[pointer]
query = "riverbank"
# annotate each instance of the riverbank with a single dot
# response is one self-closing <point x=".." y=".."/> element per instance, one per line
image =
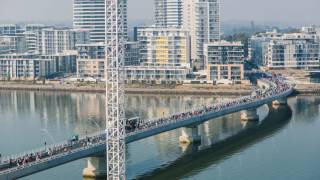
<point x="194" y="89"/>
<point x="307" y="89"/>
<point x="190" y="89"/>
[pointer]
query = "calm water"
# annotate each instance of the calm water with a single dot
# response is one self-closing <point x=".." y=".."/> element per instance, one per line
<point x="284" y="145"/>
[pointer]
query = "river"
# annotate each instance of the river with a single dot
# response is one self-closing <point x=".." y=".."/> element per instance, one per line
<point x="283" y="145"/>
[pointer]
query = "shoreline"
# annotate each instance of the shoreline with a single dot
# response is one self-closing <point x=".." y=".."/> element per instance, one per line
<point x="157" y="90"/>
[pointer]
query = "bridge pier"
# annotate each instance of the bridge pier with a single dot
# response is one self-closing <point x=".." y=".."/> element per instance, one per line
<point x="96" y="168"/>
<point x="249" y="115"/>
<point x="190" y="135"/>
<point x="278" y="102"/>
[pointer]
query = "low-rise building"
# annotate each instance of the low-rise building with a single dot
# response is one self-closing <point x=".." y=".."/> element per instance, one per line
<point x="296" y="50"/>
<point x="145" y="73"/>
<point x="156" y="74"/>
<point x="32" y="66"/>
<point x="258" y="47"/>
<point x="224" y="60"/>
<point x="93" y="68"/>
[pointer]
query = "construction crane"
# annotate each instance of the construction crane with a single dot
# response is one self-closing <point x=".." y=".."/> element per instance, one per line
<point x="114" y="76"/>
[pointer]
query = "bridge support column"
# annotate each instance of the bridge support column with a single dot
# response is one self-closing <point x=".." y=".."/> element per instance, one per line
<point x="282" y="101"/>
<point x="190" y="135"/>
<point x="96" y="168"/>
<point x="249" y="115"/>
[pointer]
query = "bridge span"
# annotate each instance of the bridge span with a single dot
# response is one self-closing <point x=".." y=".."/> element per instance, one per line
<point x="272" y="90"/>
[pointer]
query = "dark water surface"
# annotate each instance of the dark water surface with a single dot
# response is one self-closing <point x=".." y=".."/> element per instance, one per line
<point x="284" y="145"/>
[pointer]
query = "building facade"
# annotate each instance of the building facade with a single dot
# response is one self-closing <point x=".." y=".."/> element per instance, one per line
<point x="168" y="13"/>
<point x="32" y="66"/>
<point x="164" y="46"/>
<point x="297" y="50"/>
<point x="90" y="60"/>
<point x="156" y="74"/>
<point x="224" y="61"/>
<point x="189" y="24"/>
<point x="12" y="44"/>
<point x="11" y="30"/>
<point x="54" y="41"/>
<point x="146" y="73"/>
<point x="207" y="27"/>
<point x="90" y="14"/>
<point x="258" y="47"/>
<point x="82" y="36"/>
<point x="131" y="54"/>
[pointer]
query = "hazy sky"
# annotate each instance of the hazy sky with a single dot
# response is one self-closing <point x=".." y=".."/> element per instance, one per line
<point x="295" y="11"/>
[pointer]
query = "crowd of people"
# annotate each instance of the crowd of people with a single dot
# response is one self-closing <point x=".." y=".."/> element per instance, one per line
<point x="276" y="84"/>
<point x="50" y="152"/>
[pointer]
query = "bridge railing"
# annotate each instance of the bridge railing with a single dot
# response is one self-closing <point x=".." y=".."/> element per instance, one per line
<point x="6" y="159"/>
<point x="50" y="158"/>
<point x="274" y="96"/>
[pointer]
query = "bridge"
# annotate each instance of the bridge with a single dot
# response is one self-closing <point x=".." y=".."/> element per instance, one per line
<point x="271" y="90"/>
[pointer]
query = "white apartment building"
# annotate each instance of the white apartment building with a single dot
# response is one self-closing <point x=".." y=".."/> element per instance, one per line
<point x="168" y="13"/>
<point x="31" y="66"/>
<point x="207" y="27"/>
<point x="224" y="60"/>
<point x="144" y="73"/>
<point x="12" y="44"/>
<point x="55" y="41"/>
<point x="156" y="74"/>
<point x="32" y="36"/>
<point x="32" y="42"/>
<point x="165" y="46"/>
<point x="259" y="46"/>
<point x="11" y="30"/>
<point x="189" y="24"/>
<point x="296" y="50"/>
<point x="90" y="14"/>
<point x="96" y="51"/>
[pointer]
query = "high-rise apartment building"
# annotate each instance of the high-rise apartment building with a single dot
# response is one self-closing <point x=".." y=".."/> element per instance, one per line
<point x="207" y="27"/>
<point x="168" y="13"/>
<point x="90" y="14"/>
<point x="189" y="24"/>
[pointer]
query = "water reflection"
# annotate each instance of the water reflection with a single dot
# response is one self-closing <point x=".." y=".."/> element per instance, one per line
<point x="32" y="117"/>
<point x="198" y="159"/>
<point x="306" y="107"/>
